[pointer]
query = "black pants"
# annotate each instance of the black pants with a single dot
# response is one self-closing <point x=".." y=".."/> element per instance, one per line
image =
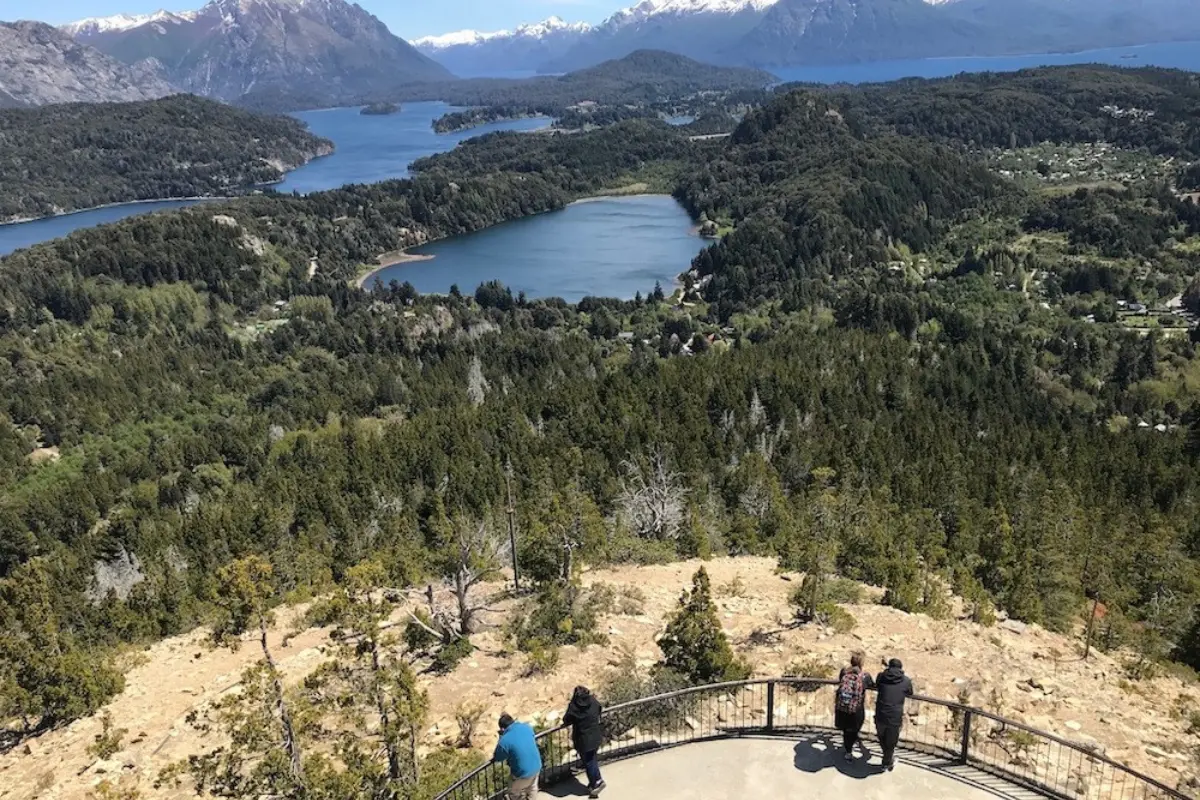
<point x="850" y="724"/>
<point x="850" y="738"/>
<point x="889" y="737"/>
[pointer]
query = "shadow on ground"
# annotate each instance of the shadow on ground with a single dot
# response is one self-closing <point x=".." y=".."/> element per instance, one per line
<point x="567" y="787"/>
<point x="821" y="752"/>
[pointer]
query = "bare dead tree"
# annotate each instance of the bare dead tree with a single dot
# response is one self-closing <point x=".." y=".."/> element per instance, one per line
<point x="653" y="498"/>
<point x="479" y="552"/>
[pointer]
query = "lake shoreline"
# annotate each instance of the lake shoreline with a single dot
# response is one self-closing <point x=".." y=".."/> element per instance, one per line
<point x="387" y="260"/>
<point x="123" y="204"/>
<point x="367" y="280"/>
<point x="242" y="192"/>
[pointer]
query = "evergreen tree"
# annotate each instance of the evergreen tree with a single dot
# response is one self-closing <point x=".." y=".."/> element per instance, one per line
<point x="45" y="678"/>
<point x="694" y="644"/>
<point x="245" y="590"/>
<point x="368" y="678"/>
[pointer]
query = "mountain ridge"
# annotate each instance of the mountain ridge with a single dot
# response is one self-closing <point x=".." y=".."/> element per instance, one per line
<point x="40" y="64"/>
<point x="525" y="47"/>
<point x="769" y="33"/>
<point x="230" y="47"/>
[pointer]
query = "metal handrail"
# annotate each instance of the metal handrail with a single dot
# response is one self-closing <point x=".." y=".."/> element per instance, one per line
<point x="769" y="727"/>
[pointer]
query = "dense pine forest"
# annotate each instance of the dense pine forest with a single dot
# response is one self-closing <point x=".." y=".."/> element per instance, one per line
<point x="68" y="157"/>
<point x="897" y="365"/>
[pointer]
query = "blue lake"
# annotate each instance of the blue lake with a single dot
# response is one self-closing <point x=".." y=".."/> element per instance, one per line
<point x="375" y="148"/>
<point x="607" y="247"/>
<point x="1177" y="55"/>
<point x="369" y="149"/>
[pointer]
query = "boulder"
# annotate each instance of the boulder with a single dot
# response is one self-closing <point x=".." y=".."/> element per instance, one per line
<point x="1013" y="625"/>
<point x="1156" y="752"/>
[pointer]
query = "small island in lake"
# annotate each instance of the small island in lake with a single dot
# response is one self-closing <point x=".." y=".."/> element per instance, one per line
<point x="380" y="109"/>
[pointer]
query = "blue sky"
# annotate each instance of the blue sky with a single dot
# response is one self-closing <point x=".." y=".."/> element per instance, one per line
<point x="407" y="18"/>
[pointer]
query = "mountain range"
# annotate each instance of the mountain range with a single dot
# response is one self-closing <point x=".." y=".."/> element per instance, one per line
<point x="527" y="48"/>
<point x="231" y="47"/>
<point x="264" y="52"/>
<point x="40" y="64"/>
<point x="798" y="32"/>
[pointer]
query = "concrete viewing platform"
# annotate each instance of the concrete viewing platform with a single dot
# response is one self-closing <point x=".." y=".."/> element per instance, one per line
<point x="811" y="767"/>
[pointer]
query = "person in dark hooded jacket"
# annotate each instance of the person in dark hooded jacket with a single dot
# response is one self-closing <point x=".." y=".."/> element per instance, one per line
<point x="893" y="688"/>
<point x="583" y="715"/>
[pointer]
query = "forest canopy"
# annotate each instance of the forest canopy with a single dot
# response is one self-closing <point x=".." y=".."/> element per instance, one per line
<point x="897" y="365"/>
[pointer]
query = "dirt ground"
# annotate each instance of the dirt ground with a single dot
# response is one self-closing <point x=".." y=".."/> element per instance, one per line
<point x="1030" y="674"/>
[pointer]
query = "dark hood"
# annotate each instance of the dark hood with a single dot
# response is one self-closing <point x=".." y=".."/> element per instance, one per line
<point x="582" y="703"/>
<point x="892" y="675"/>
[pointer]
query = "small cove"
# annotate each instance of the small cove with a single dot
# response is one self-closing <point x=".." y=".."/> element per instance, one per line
<point x="602" y="247"/>
<point x="369" y="149"/>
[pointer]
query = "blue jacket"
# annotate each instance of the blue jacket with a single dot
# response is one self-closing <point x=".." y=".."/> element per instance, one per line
<point x="518" y="747"/>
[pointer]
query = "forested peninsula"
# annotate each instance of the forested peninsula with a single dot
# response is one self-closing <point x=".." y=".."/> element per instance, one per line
<point x="61" y="158"/>
<point x="644" y="76"/>
<point x="946" y="342"/>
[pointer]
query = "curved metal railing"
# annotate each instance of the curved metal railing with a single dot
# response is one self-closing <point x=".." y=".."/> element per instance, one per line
<point x="951" y="733"/>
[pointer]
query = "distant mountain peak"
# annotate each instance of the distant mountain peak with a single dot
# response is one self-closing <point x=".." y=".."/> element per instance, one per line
<point x="535" y="30"/>
<point x="92" y="26"/>
<point x="302" y="52"/>
<point x="648" y="9"/>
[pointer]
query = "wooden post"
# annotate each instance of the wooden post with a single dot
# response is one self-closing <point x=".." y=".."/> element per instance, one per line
<point x="512" y="526"/>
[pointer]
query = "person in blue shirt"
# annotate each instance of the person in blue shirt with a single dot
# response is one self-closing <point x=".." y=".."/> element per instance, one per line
<point x="518" y="748"/>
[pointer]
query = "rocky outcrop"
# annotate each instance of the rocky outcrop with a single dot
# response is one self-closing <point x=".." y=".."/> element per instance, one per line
<point x="40" y="64"/>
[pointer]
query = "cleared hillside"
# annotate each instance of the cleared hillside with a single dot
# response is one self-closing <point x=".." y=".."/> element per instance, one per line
<point x="1034" y="676"/>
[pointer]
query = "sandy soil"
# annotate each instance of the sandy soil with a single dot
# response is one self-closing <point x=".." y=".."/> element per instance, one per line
<point x="390" y="260"/>
<point x="1088" y="702"/>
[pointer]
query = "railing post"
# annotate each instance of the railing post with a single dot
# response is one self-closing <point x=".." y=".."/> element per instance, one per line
<point x="770" y="706"/>
<point x="966" y="735"/>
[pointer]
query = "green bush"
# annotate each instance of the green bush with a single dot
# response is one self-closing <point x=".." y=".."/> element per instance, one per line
<point x="835" y="617"/>
<point x="449" y="656"/>
<point x="441" y="768"/>
<point x="979" y="604"/>
<point x="604" y="598"/>
<point x="108" y="742"/>
<point x="842" y="591"/>
<point x="736" y="587"/>
<point x="808" y="667"/>
<point x="542" y="658"/>
<point x="559" y="615"/>
<point x="627" y="682"/>
<point x="417" y="637"/>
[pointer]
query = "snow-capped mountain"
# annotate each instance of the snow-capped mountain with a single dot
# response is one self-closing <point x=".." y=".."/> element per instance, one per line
<point x="553" y="26"/>
<point x="648" y="9"/>
<point x="831" y="31"/>
<point x="525" y="48"/>
<point x="285" y="53"/>
<point x="94" y="26"/>
<point x="695" y="28"/>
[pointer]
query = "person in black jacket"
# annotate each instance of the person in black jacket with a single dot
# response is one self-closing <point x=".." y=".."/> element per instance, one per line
<point x="893" y="687"/>
<point x="583" y="715"/>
